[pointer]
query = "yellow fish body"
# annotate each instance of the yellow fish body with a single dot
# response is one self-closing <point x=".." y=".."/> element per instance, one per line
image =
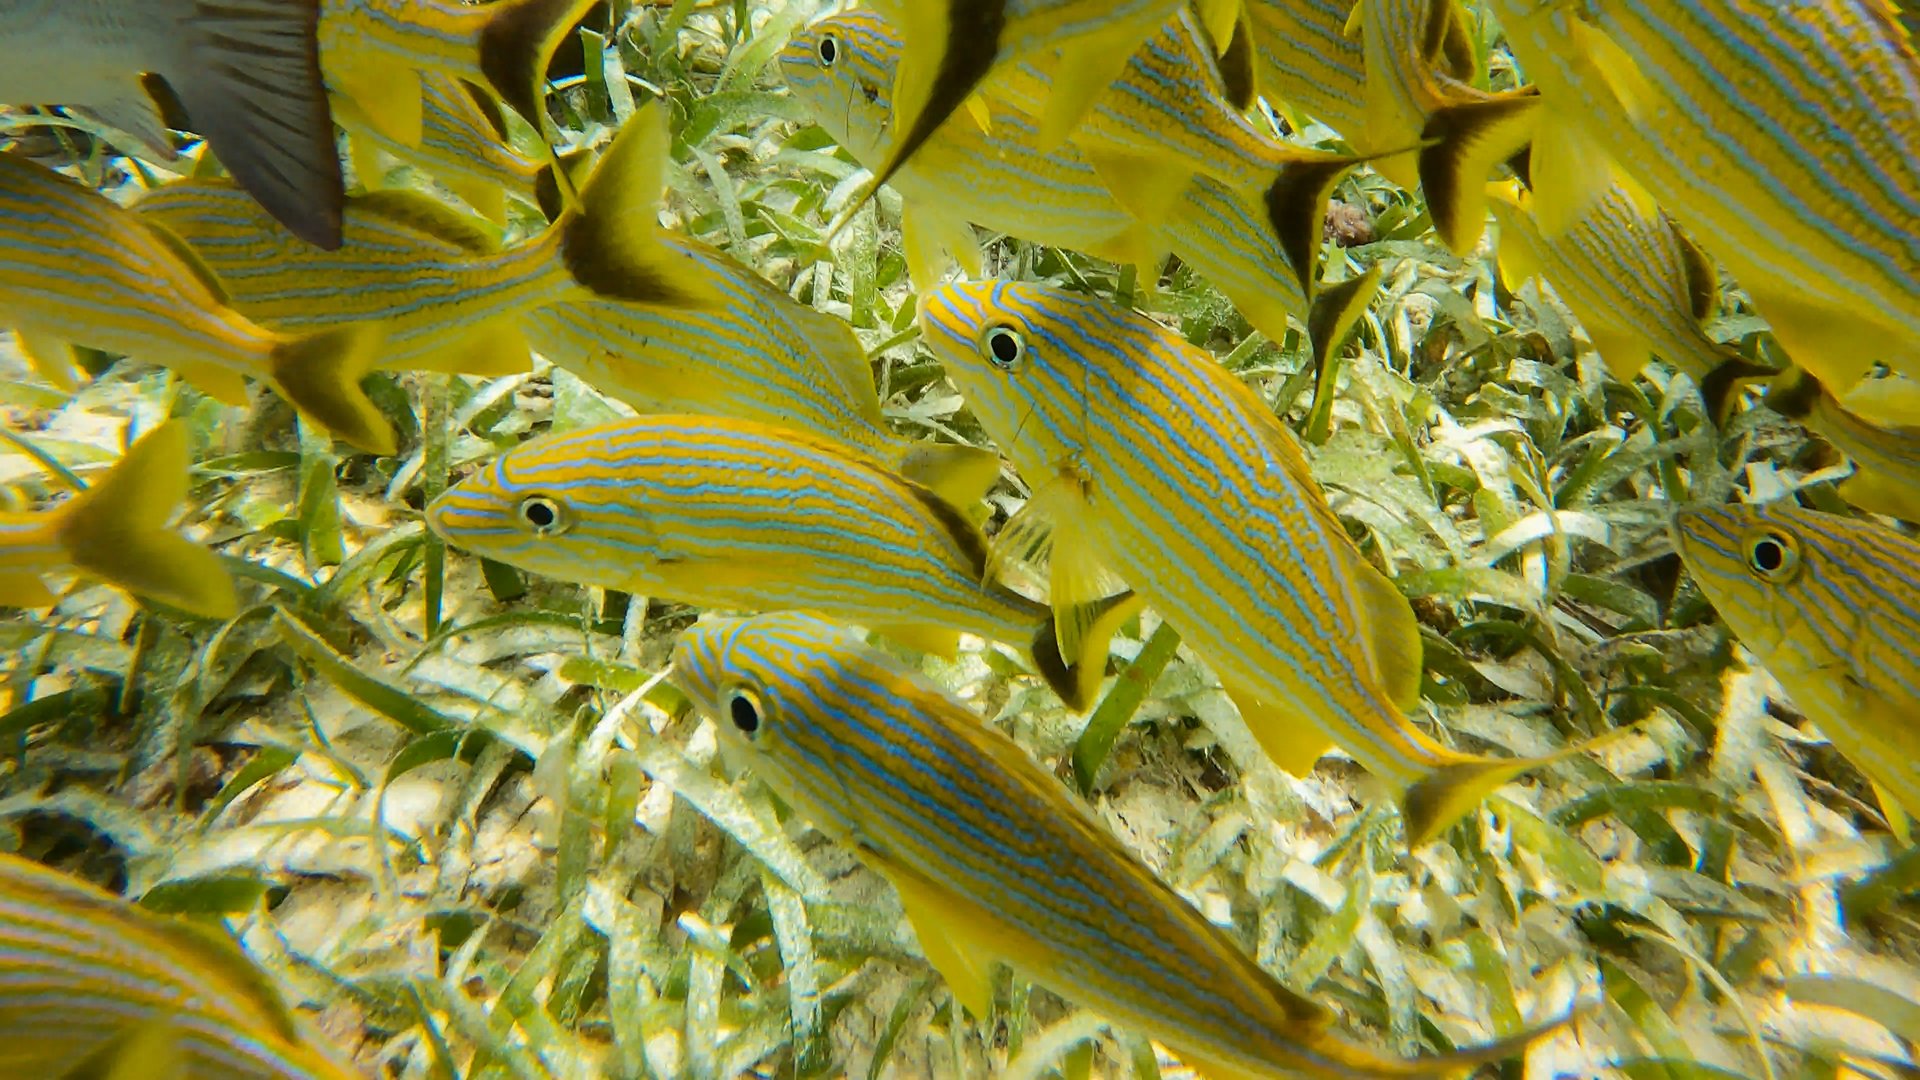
<point x="1885" y="453"/>
<point x="1829" y="605"/>
<point x="376" y="53"/>
<point x="757" y="355"/>
<point x="116" y="531"/>
<point x="995" y="862"/>
<point x="78" y="269"/>
<point x="1166" y="119"/>
<point x="732" y="514"/>
<point x="98" y="986"/>
<point x="1305" y="59"/>
<point x="462" y="145"/>
<point x="951" y="46"/>
<point x="1638" y="287"/>
<point x="1215" y="521"/>
<point x="840" y="69"/>
<point x="444" y="294"/>
<point x="1782" y="138"/>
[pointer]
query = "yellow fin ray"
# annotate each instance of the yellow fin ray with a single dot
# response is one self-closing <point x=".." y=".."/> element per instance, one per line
<point x="116" y="530"/>
<point x="1289" y="741"/>
<point x="320" y="374"/>
<point x="961" y="475"/>
<point x="386" y="96"/>
<point x="1087" y="66"/>
<point x="51" y="357"/>
<point x="959" y="944"/>
<point x="1147" y="188"/>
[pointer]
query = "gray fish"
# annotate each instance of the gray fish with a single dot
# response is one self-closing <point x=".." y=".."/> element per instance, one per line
<point x="247" y="73"/>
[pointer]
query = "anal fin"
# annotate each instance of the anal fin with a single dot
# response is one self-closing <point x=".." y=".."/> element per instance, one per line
<point x="1290" y="742"/>
<point x="955" y="941"/>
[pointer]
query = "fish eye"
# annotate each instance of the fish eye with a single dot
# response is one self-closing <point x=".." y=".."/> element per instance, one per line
<point x="1003" y="346"/>
<point x="743" y="710"/>
<point x="542" y="515"/>
<point x="829" y="49"/>
<point x="1773" y="556"/>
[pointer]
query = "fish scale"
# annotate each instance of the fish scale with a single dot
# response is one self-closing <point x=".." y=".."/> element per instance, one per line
<point x="738" y="515"/>
<point x="994" y="860"/>
<point x="1783" y="144"/>
<point x="1216" y="522"/>
<point x="1837" y="623"/>
<point x="81" y="968"/>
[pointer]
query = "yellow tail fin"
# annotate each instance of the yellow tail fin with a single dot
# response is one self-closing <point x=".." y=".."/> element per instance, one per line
<point x="116" y="530"/>
<point x="1449" y="792"/>
<point x="611" y="243"/>
<point x="320" y="374"/>
<point x="1464" y="143"/>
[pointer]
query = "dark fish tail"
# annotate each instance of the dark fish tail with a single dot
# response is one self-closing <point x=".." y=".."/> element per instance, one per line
<point x="251" y="84"/>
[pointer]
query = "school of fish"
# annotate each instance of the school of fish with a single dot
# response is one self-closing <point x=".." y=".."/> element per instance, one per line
<point x="1628" y="154"/>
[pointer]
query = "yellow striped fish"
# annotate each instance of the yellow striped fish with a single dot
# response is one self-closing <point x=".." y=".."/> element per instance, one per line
<point x="840" y="69"/>
<point x="1885" y="453"/>
<point x="78" y="269"/>
<point x="96" y="986"/>
<point x="462" y="144"/>
<point x="1215" y="521"/>
<point x="995" y="862"/>
<point x="1166" y="119"/>
<point x="757" y="355"/>
<point x="1830" y="607"/>
<point x="1305" y="60"/>
<point x="116" y="531"/>
<point x="733" y="514"/>
<point x="375" y="53"/>
<point x="443" y="292"/>
<point x="1638" y="287"/>
<point x="1419" y="70"/>
<point x="951" y="46"/>
<point x="1784" y="144"/>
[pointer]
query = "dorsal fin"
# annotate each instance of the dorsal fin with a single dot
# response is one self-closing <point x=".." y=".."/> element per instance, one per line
<point x="1702" y="278"/>
<point x="189" y="258"/>
<point x="428" y="215"/>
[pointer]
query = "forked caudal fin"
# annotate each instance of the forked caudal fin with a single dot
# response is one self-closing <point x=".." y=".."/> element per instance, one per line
<point x="117" y="531"/>
<point x="1452" y="790"/>
<point x="1463" y="145"/>
<point x="320" y="374"/>
<point x="611" y="243"/>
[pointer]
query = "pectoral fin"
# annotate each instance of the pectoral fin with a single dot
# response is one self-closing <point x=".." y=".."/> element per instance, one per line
<point x="149" y="1050"/>
<point x="51" y="357"/>
<point x="933" y="640"/>
<point x="1087" y="66"/>
<point x="929" y="238"/>
<point x="1147" y="188"/>
<point x="386" y="95"/>
<point x="959" y="944"/>
<point x="961" y="475"/>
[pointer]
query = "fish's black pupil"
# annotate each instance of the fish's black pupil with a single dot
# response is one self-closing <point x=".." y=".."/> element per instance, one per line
<point x="745" y="716"/>
<point x="829" y="50"/>
<point x="1768" y="556"/>
<point x="1004" y="346"/>
<point x="540" y="514"/>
